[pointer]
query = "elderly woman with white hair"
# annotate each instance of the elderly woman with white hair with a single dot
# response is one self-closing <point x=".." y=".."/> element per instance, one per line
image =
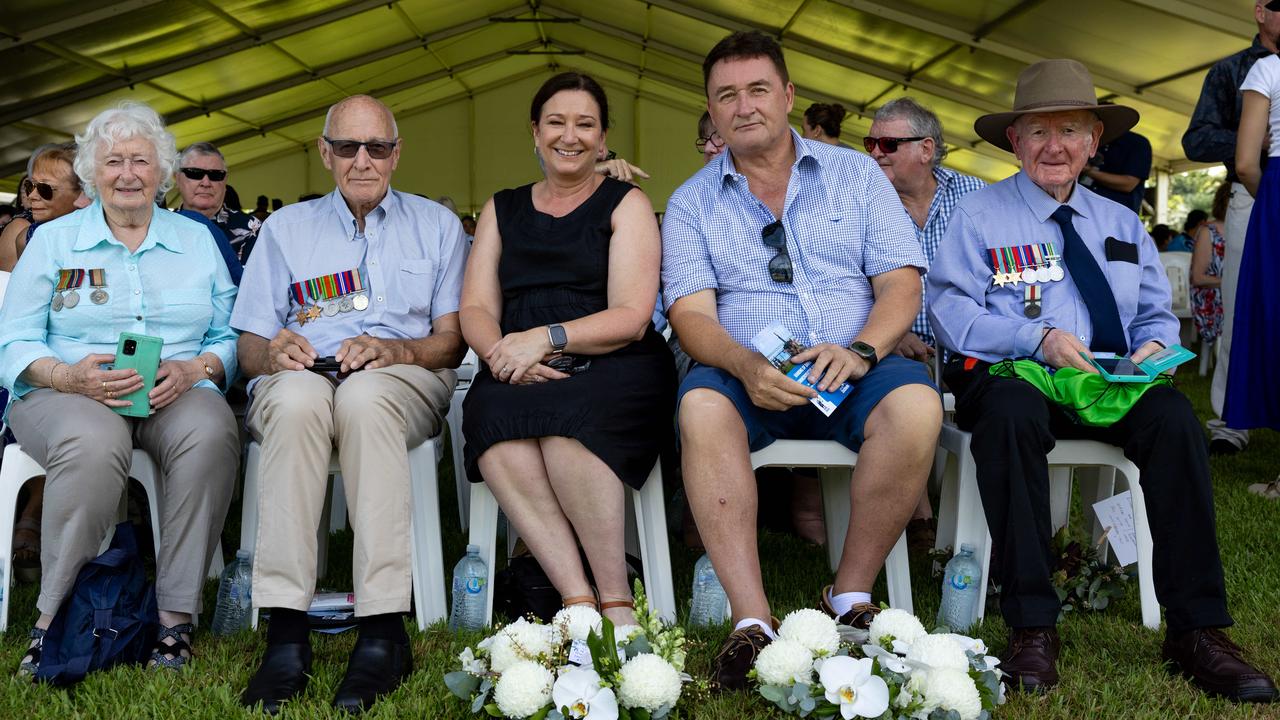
<point x="119" y="266"/>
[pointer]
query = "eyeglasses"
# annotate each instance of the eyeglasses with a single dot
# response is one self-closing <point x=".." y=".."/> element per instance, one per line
<point x="44" y="189"/>
<point x="888" y="145"/>
<point x="775" y="236"/>
<point x="716" y="141"/>
<point x="378" y="149"/>
<point x="195" y="173"/>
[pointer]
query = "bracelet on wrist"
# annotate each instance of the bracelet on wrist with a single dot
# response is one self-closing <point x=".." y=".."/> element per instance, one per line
<point x="53" y="370"/>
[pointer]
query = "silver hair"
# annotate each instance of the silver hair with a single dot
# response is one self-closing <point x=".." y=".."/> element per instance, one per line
<point x="207" y="149"/>
<point x="328" y="117"/>
<point x="125" y="121"/>
<point x="920" y="119"/>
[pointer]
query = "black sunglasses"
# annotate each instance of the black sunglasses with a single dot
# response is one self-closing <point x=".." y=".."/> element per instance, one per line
<point x="194" y="173"/>
<point x="888" y="145"/>
<point x="715" y="140"/>
<point x="44" y="189"/>
<point x="378" y="149"/>
<point x="775" y="236"/>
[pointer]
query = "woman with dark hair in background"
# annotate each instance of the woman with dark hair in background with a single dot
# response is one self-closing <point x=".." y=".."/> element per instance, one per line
<point x="1206" y="268"/>
<point x="576" y="392"/>
<point x="822" y="122"/>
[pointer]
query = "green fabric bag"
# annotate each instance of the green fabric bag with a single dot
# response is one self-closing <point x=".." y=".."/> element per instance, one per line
<point x="1086" y="396"/>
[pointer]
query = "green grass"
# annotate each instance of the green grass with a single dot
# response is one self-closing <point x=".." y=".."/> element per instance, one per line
<point x="1110" y="663"/>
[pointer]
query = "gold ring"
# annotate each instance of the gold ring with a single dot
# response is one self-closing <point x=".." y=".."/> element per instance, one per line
<point x="110" y="395"/>
<point x="104" y="384"/>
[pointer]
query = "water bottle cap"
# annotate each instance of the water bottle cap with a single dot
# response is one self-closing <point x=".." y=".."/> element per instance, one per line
<point x="243" y="554"/>
<point x="473" y="549"/>
<point x="967" y="548"/>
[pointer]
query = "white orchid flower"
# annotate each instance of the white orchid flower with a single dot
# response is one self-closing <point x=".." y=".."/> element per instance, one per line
<point x="888" y="660"/>
<point x="850" y="684"/>
<point x="578" y="689"/>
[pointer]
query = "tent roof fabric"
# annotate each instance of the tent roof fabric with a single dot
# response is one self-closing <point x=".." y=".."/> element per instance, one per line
<point x="256" y="76"/>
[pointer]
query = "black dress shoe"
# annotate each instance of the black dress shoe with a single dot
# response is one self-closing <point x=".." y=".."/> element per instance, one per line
<point x="1209" y="659"/>
<point x="376" y="667"/>
<point x="1031" y="659"/>
<point x="282" y="677"/>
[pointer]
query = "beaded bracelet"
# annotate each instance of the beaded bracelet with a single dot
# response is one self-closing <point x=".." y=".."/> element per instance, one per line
<point x="52" y="374"/>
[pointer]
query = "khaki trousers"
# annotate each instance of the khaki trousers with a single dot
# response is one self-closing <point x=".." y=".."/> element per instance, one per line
<point x="1237" y="223"/>
<point x="85" y="450"/>
<point x="372" y="418"/>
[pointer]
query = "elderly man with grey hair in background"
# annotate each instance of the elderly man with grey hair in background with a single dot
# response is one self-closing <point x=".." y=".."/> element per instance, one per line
<point x="906" y="142"/>
<point x="202" y="180"/>
<point x="371" y="277"/>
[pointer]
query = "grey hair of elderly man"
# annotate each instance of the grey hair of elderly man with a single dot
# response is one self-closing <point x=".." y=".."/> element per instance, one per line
<point x="922" y="121"/>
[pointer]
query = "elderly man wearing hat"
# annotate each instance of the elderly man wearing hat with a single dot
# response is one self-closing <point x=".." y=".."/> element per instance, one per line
<point x="1040" y="267"/>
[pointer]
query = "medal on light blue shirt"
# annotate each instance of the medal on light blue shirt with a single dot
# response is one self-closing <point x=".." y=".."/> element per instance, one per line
<point x="1042" y="266"/>
<point x="1026" y="268"/>
<point x="1000" y="274"/>
<point x="98" y="281"/>
<point x="68" y="281"/>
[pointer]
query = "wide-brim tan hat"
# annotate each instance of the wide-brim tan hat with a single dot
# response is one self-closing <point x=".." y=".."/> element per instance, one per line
<point x="1055" y="86"/>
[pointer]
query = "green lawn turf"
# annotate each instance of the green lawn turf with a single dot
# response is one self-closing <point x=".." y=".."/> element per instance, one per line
<point x="1109" y="663"/>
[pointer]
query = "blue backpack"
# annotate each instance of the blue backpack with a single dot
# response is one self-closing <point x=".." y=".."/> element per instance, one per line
<point x="108" y="619"/>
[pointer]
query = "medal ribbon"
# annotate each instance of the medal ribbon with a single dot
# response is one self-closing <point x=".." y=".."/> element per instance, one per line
<point x="295" y="291"/>
<point x="1035" y="252"/>
<point x="98" y="278"/>
<point x="328" y="287"/>
<point x="68" y="279"/>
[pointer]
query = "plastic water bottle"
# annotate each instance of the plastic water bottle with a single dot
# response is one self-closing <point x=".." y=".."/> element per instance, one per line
<point x="470" y="591"/>
<point x="961" y="591"/>
<point x="710" y="604"/>
<point x="235" y="597"/>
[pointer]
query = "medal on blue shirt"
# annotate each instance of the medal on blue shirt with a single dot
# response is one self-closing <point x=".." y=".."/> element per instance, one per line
<point x="1042" y="266"/>
<point x="1031" y="301"/>
<point x="999" y="266"/>
<point x="1056" y="273"/>
<point x="1026" y="268"/>
<point x="68" y="281"/>
<point x="98" y="281"/>
<point x="305" y="312"/>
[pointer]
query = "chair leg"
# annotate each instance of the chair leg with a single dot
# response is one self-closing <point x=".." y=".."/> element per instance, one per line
<point x="651" y="526"/>
<point x="455" y="446"/>
<point x="427" y="557"/>
<point x="1146" y="578"/>
<point x="1059" y="496"/>
<point x="897" y="572"/>
<point x="971" y="520"/>
<point x="484" y="534"/>
<point x="15" y="471"/>
<point x="948" y="501"/>
<point x="836" y="508"/>
<point x="249" y="511"/>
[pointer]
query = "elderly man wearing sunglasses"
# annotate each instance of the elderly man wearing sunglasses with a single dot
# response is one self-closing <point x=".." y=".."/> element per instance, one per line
<point x="202" y="181"/>
<point x="370" y="276"/>
<point x="783" y="229"/>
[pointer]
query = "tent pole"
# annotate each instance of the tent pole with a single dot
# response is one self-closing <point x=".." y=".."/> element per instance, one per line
<point x="1162" y="195"/>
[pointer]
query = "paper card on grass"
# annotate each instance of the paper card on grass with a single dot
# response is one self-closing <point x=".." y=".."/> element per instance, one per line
<point x="1116" y="516"/>
<point x="776" y="343"/>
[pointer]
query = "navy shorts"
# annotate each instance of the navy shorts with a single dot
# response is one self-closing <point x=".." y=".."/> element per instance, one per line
<point x="807" y="422"/>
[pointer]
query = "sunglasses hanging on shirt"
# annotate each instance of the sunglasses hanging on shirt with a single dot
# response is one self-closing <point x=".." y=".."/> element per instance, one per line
<point x="775" y="236"/>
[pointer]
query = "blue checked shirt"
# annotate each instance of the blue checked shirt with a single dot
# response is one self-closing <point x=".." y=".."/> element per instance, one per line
<point x="844" y="225"/>
<point x="175" y="287"/>
<point x="977" y="318"/>
<point x="951" y="187"/>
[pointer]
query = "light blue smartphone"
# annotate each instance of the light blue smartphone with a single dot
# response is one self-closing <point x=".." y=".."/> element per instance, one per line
<point x="141" y="353"/>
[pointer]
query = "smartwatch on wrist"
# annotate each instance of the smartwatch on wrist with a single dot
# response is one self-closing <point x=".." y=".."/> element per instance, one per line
<point x="866" y="352"/>
<point x="558" y="337"/>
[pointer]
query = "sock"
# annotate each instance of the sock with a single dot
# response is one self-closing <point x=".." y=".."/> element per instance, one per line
<point x="748" y="622"/>
<point x="387" y="626"/>
<point x="288" y="626"/>
<point x="844" y="602"/>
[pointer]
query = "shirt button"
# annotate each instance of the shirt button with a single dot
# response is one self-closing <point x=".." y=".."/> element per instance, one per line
<point x="373" y="262"/>
<point x="379" y="298"/>
<point x="137" y="317"/>
<point x="133" y="267"/>
<point x="137" y="292"/>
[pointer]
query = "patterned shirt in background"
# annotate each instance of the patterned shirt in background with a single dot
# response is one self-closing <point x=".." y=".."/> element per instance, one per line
<point x="951" y="187"/>
<point x="241" y="229"/>
<point x="1211" y="137"/>
<point x="844" y="225"/>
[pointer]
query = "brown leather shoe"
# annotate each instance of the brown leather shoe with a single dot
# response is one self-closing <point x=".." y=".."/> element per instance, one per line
<point x="1209" y="659"/>
<point x="737" y="656"/>
<point x="859" y="616"/>
<point x="1031" y="659"/>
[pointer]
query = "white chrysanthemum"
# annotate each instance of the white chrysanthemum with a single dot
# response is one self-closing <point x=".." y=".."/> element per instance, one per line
<point x="938" y="651"/>
<point x="649" y="682"/>
<point x="783" y="662"/>
<point x="518" y="641"/>
<point x="953" y="690"/>
<point x="898" y="624"/>
<point x="915" y="689"/>
<point x="622" y="634"/>
<point x="813" y="629"/>
<point x="524" y="689"/>
<point x="577" y="621"/>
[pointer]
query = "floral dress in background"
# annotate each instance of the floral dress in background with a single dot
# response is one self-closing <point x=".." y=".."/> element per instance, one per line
<point x="1206" y="302"/>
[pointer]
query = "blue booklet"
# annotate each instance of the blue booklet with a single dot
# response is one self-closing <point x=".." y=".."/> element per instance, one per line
<point x="776" y="343"/>
<point x="1118" y="369"/>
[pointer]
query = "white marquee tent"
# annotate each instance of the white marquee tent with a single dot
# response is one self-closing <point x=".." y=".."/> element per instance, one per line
<point x="256" y="76"/>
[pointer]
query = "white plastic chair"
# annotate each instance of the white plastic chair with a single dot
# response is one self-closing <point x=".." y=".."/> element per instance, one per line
<point x="1177" y="266"/>
<point x="18" y="467"/>
<point x="466" y="372"/>
<point x="835" y="463"/>
<point x="427" y="560"/>
<point x="649" y="526"/>
<point x="961" y="518"/>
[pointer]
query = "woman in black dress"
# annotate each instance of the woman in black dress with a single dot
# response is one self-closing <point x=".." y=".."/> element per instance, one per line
<point x="576" y="391"/>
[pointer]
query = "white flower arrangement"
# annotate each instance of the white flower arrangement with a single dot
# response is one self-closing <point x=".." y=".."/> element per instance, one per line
<point x="580" y="667"/>
<point x="903" y="673"/>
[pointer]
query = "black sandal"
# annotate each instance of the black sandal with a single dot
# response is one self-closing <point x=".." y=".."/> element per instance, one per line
<point x="31" y="660"/>
<point x="173" y="656"/>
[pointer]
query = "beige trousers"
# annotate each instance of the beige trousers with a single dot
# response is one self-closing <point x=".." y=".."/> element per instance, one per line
<point x="372" y="418"/>
<point x="85" y="449"/>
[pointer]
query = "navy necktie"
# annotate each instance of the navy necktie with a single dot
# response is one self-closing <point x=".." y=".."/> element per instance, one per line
<point x="1108" y="335"/>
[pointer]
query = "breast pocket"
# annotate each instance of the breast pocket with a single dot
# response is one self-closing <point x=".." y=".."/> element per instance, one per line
<point x="188" y="312"/>
<point x="417" y="281"/>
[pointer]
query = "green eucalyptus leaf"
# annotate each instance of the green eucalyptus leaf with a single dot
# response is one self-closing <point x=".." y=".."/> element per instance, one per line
<point x="461" y="684"/>
<point x="492" y="709"/>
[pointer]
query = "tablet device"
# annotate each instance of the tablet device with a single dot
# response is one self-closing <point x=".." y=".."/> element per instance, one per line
<point x="141" y="353"/>
<point x="1117" y="369"/>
